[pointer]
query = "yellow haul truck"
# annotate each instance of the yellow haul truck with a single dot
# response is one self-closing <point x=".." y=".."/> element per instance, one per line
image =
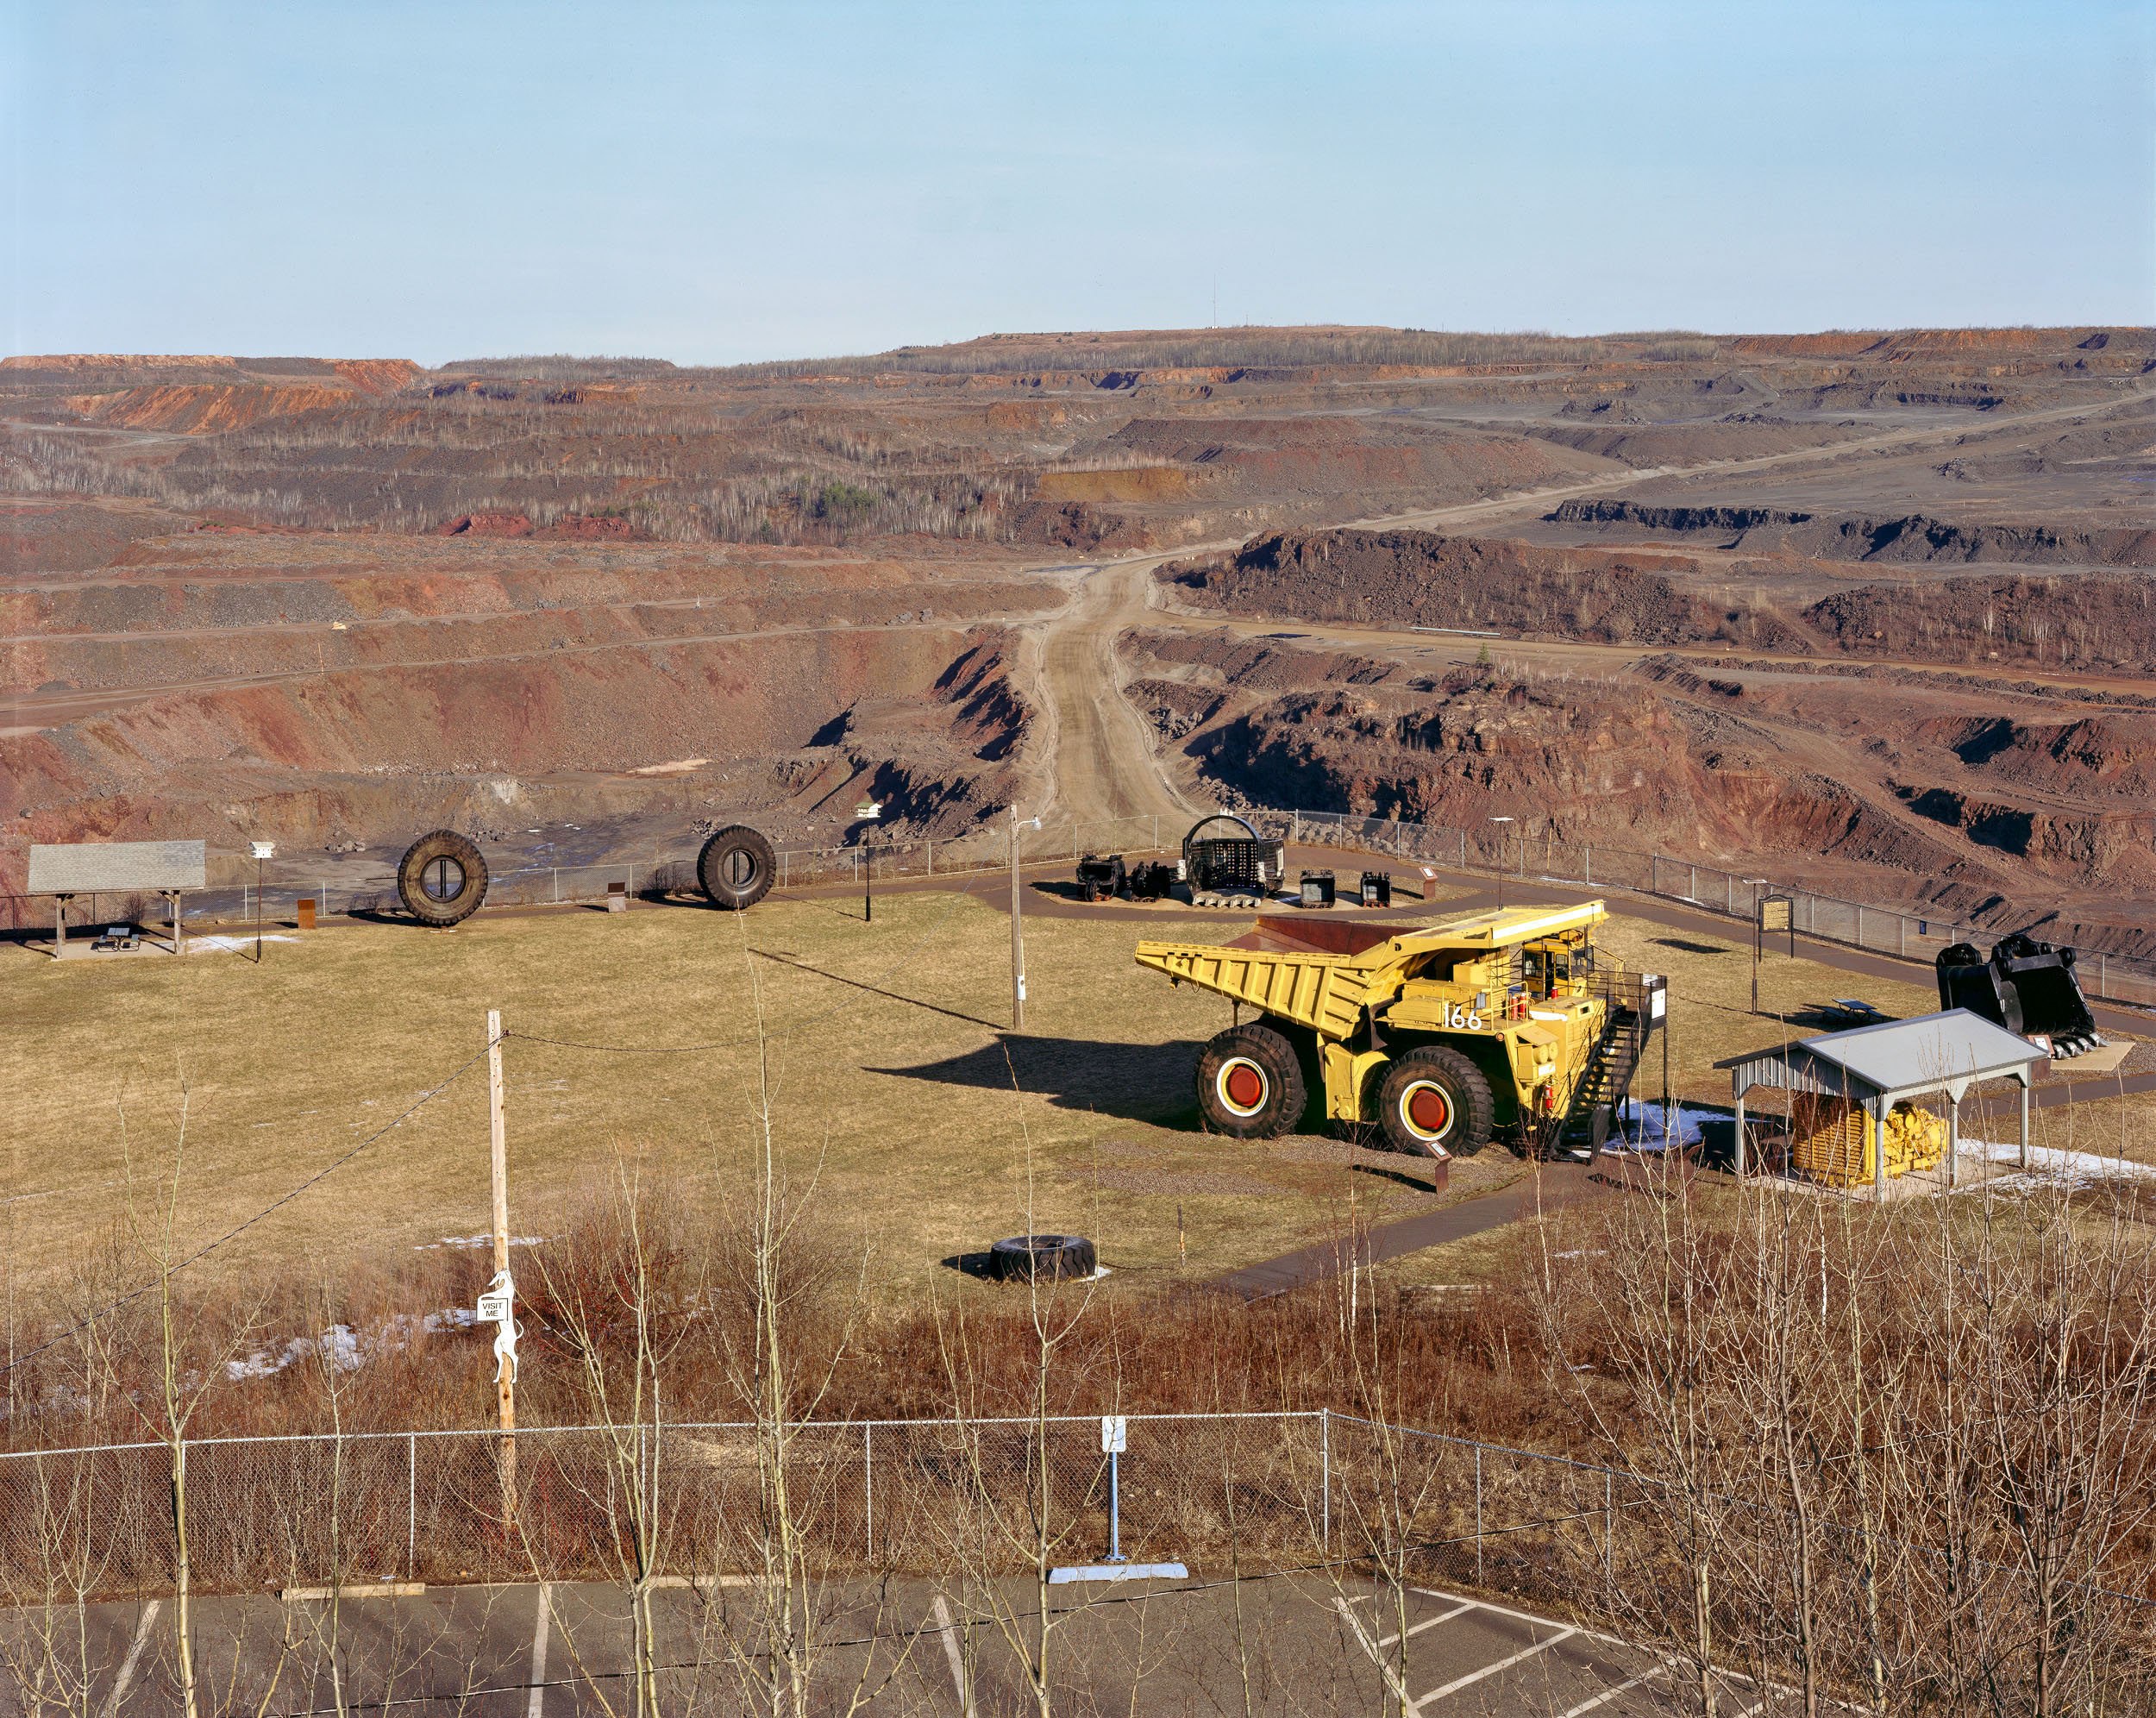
<point x="1498" y="1023"/>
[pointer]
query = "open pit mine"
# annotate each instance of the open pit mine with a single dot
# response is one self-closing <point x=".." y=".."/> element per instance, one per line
<point x="1875" y="613"/>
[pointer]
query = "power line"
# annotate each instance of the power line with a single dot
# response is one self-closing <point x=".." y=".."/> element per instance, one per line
<point x="839" y="1007"/>
<point x="202" y="1253"/>
<point x="428" y="1097"/>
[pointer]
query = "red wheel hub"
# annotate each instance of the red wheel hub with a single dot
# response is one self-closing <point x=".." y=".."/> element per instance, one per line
<point x="1245" y="1086"/>
<point x="1428" y="1110"/>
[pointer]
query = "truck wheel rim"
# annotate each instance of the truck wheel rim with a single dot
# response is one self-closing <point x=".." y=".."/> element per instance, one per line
<point x="442" y="879"/>
<point x="1242" y="1087"/>
<point x="1426" y="1110"/>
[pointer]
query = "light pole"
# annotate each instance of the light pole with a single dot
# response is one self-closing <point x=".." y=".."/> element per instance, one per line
<point x="1758" y="921"/>
<point x="1501" y="822"/>
<point x="263" y="849"/>
<point x="868" y="811"/>
<point x="1017" y="941"/>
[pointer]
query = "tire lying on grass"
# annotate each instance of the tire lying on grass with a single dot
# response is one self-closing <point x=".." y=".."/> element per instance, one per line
<point x="1434" y="1103"/>
<point x="1045" y="1257"/>
<point x="736" y="867"/>
<point x="441" y="879"/>
<point x="1251" y="1083"/>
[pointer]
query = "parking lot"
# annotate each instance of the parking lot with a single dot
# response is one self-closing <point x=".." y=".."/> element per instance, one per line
<point x="1293" y="1645"/>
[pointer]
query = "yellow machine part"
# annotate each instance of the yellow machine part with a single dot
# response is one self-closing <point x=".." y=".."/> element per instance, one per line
<point x="1327" y="991"/>
<point x="1833" y="1141"/>
<point x="1346" y="1072"/>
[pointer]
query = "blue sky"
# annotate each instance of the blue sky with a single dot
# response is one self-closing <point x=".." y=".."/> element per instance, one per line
<point x="714" y="183"/>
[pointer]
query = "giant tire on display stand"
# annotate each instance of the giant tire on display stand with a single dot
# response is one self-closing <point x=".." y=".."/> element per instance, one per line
<point x="1251" y="1083"/>
<point x="441" y="879"/>
<point x="736" y="867"/>
<point x="1434" y="1103"/>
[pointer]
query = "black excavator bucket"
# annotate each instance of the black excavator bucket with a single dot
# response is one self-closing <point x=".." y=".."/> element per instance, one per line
<point x="2028" y="987"/>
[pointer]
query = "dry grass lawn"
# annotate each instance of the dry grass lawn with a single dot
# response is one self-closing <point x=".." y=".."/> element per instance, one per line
<point x="931" y="1130"/>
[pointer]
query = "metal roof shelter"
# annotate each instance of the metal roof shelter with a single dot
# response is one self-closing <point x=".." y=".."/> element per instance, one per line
<point x="1930" y="1054"/>
<point x="91" y="868"/>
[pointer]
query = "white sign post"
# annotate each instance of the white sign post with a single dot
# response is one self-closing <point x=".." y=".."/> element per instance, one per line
<point x="1115" y="1437"/>
<point x="868" y="811"/>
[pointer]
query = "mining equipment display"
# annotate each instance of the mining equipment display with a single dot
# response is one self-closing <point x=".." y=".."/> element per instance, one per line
<point x="1248" y="862"/>
<point x="1046" y="1258"/>
<point x="1497" y="1024"/>
<point x="2028" y="987"/>
<point x="1104" y="876"/>
<point x="442" y="877"/>
<point x="736" y="867"/>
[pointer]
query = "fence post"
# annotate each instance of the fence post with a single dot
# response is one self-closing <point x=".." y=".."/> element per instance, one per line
<point x="1609" y="1526"/>
<point x="411" y="1504"/>
<point x="1463" y="850"/>
<point x="1860" y="925"/>
<point x="2104" y="976"/>
<point x="930" y="846"/>
<point x="1589" y="853"/>
<point x="554" y="872"/>
<point x="1692" y="893"/>
<point x="869" y="1491"/>
<point x="1900" y="935"/>
<point x="1325" y="1470"/>
<point x="1478" y="1514"/>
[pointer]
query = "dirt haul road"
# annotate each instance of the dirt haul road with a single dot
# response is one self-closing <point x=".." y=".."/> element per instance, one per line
<point x="1101" y="763"/>
<point x="1100" y="759"/>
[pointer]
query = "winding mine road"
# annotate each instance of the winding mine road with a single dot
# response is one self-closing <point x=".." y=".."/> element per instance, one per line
<point x="1099" y="758"/>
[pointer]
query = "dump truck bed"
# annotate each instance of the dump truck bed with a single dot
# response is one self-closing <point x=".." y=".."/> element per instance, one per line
<point x="1321" y="974"/>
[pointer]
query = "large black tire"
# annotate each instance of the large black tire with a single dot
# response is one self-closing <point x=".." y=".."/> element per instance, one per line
<point x="441" y="879"/>
<point x="1046" y="1258"/>
<point x="1251" y="1083"/>
<point x="736" y="867"/>
<point x="1434" y="1103"/>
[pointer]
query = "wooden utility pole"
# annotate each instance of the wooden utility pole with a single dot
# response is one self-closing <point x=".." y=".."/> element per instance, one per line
<point x="1018" y="943"/>
<point x="505" y="1368"/>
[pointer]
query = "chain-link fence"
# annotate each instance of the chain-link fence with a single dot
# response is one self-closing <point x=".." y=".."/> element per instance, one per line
<point x="1547" y="858"/>
<point x="1492" y="850"/>
<point x="1256" y="1490"/>
<point x="1320" y="1495"/>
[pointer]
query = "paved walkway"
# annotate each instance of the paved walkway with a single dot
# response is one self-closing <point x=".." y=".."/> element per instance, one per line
<point x="1548" y="1187"/>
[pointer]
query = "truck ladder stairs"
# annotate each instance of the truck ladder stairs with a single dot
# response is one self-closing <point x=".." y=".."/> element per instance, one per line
<point x="1578" y="1133"/>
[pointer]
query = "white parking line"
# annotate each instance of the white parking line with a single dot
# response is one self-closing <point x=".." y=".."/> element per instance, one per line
<point x="1346" y="1608"/>
<point x="539" y="1653"/>
<point x="134" y="1657"/>
<point x="1525" y="1654"/>
<point x="950" y="1651"/>
<point x="1429" y="1623"/>
<point x="1609" y="1695"/>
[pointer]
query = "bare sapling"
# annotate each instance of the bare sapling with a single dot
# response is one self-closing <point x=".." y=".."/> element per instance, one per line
<point x="1637" y="1376"/>
<point x="609" y="1304"/>
<point x="782" y="1310"/>
<point x="994" y="1525"/>
<point x="188" y="1357"/>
